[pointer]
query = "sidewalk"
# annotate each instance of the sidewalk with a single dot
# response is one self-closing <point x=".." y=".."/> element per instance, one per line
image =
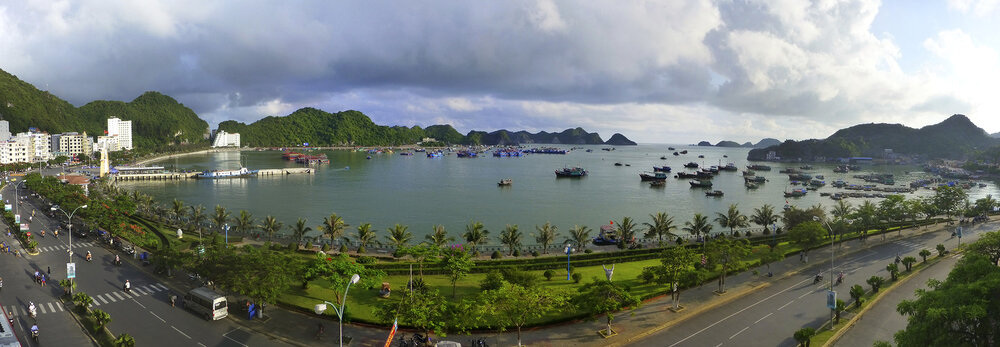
<point x="300" y="328"/>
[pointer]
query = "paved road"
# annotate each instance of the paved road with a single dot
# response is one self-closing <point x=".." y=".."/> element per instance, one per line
<point x="770" y="316"/>
<point x="145" y="313"/>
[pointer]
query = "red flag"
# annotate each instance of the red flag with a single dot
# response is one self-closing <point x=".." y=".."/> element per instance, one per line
<point x="611" y="222"/>
<point x="105" y="132"/>
<point x="391" y="333"/>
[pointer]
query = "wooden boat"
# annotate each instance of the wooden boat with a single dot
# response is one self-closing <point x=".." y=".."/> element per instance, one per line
<point x="691" y="165"/>
<point x="505" y="182"/>
<point x="573" y="172"/>
<point x="661" y="169"/>
<point x="758" y="167"/>
<point x="796" y="193"/>
<point x="700" y="184"/>
<point x="751" y="185"/>
<point x="715" y="193"/>
<point x="671" y="148"/>
<point x="655" y="176"/>
<point x="619" y="164"/>
<point x="658" y="183"/>
<point x="686" y="175"/>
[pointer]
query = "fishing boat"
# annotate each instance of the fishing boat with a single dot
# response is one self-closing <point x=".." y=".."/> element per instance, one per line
<point x="655" y="176"/>
<point x="800" y="177"/>
<point x="658" y="183"/>
<point x="589" y="150"/>
<point x="754" y="179"/>
<point x="806" y="167"/>
<point x="505" y="182"/>
<point x="730" y="167"/>
<point x="684" y="152"/>
<point x="700" y="183"/>
<point x="571" y="172"/>
<point x="663" y="158"/>
<point x="215" y="174"/>
<point x="619" y="164"/>
<point x="676" y="154"/>
<point x="751" y="185"/>
<point x="714" y="193"/>
<point x="798" y="192"/>
<point x="749" y="173"/>
<point x="683" y="174"/>
<point x="671" y="148"/>
<point x="840" y="169"/>
<point x="758" y="167"/>
<point x="661" y="169"/>
<point x="607" y="236"/>
<point x="433" y="154"/>
<point x="701" y="156"/>
<point x="691" y="165"/>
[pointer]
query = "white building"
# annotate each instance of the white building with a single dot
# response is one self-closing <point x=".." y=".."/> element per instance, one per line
<point x="71" y="144"/>
<point x="224" y="139"/>
<point x="4" y="130"/>
<point x="122" y="129"/>
<point x="38" y="145"/>
<point x="109" y="142"/>
<point x="14" y="150"/>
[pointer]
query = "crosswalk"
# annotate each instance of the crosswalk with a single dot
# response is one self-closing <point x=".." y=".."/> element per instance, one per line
<point x="100" y="299"/>
<point x="910" y="245"/>
<point x="64" y="247"/>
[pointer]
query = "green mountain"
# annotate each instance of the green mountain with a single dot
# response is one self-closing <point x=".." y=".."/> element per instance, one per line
<point x="620" y="140"/>
<point x="158" y="120"/>
<point x="953" y="138"/>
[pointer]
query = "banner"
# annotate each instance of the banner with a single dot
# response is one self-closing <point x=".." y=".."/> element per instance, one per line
<point x="70" y="270"/>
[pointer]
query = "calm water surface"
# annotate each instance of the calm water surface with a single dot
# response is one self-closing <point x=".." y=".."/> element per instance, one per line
<point x="420" y="192"/>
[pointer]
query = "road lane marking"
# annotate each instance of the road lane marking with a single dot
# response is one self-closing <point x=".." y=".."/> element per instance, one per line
<point x="202" y="344"/>
<point x="740" y="311"/>
<point x="800" y="296"/>
<point x="738" y="332"/>
<point x="231" y="339"/>
<point x="157" y="317"/>
<point x="52" y="308"/>
<point x="180" y="332"/>
<point x="59" y="305"/>
<point x="783" y="306"/>
<point x="762" y="318"/>
<point x="162" y="286"/>
<point x="140" y="304"/>
<point x="41" y="308"/>
<point x="109" y="297"/>
<point x="120" y="297"/>
<point x="101" y="297"/>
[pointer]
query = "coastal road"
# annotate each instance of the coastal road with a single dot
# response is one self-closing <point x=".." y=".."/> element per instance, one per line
<point x="770" y="316"/>
<point x="145" y="313"/>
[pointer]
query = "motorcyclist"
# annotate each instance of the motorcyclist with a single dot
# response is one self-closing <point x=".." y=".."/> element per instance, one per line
<point x="34" y="331"/>
<point x="819" y="277"/>
<point x="118" y="261"/>
<point x="897" y="258"/>
<point x="89" y="257"/>
<point x="31" y="309"/>
<point x="127" y="286"/>
<point x="840" y="277"/>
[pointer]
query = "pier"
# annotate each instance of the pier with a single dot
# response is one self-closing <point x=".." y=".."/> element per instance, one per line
<point x="158" y="176"/>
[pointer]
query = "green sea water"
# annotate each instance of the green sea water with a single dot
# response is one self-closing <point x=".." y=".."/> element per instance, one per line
<point x="420" y="192"/>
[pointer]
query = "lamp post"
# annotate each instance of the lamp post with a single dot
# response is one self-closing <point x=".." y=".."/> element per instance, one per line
<point x="319" y="308"/>
<point x="69" y="223"/>
<point x="832" y="293"/>
<point x="569" y="250"/>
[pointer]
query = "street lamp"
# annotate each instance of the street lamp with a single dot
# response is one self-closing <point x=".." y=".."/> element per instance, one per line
<point x="832" y="293"/>
<point x="69" y="222"/>
<point x="569" y="250"/>
<point x="340" y="312"/>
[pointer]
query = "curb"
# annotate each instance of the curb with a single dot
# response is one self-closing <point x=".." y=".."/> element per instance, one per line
<point x="80" y="323"/>
<point x="854" y="320"/>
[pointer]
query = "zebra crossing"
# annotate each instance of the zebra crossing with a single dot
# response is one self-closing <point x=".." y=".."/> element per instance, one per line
<point x="63" y="247"/>
<point x="100" y="299"/>
<point x="910" y="245"/>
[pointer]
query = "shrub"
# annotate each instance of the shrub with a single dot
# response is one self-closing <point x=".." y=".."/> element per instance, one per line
<point x="577" y="277"/>
<point x="534" y="253"/>
<point x="517" y="253"/>
<point x="292" y="246"/>
<point x="496" y="255"/>
<point x="326" y="248"/>
<point x="548" y="275"/>
<point x="941" y="250"/>
<point x="366" y="260"/>
<point x="361" y="249"/>
<point x="343" y="248"/>
<point x="519" y="277"/>
<point x="492" y="281"/>
<point x="418" y="285"/>
<point x="588" y="251"/>
<point x="309" y="246"/>
<point x="647" y="275"/>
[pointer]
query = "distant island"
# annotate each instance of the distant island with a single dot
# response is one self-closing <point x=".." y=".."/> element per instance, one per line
<point x="954" y="138"/>
<point x="726" y="143"/>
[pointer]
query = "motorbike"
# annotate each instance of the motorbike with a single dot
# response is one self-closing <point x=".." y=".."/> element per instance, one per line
<point x="33" y="311"/>
<point x="840" y="279"/>
<point x="817" y="279"/>
<point x="34" y="333"/>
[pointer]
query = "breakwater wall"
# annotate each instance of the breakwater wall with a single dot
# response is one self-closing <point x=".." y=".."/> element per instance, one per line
<point x="192" y="175"/>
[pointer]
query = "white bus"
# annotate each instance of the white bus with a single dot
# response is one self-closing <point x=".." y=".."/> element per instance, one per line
<point x="206" y="303"/>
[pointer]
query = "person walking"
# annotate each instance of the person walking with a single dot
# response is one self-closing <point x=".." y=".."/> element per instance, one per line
<point x="48" y="269"/>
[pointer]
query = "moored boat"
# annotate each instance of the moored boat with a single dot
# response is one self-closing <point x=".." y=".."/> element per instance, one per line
<point x="691" y="165"/>
<point x="661" y="168"/>
<point x="683" y="174"/>
<point x="796" y="193"/>
<point x="571" y="172"/>
<point x="214" y="174"/>
<point x="715" y="193"/>
<point x="655" y="176"/>
<point x="506" y="182"/>
<point x="657" y="183"/>
<point x="758" y="167"/>
<point x="700" y="183"/>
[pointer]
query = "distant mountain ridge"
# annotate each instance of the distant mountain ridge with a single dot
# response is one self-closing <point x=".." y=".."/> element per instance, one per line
<point x="953" y="138"/>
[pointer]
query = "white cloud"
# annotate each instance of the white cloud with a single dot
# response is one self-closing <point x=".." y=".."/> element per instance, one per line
<point x="980" y="8"/>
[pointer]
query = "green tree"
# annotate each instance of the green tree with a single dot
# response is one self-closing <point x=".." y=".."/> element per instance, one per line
<point x="985" y="205"/>
<point x="924" y="254"/>
<point x="514" y="305"/>
<point x="732" y="219"/>
<point x="300" y="229"/>
<point x="764" y="216"/>
<point x="221" y="217"/>
<point x="82" y="301"/>
<point x="177" y="208"/>
<point x="947" y="199"/>
<point x="197" y="217"/>
<point x="893" y="270"/>
<point x="626" y="232"/>
<point x="841" y="306"/>
<point x="726" y="251"/>
<point x="245" y="222"/>
<point x="421" y="253"/>
<point x="580" y="235"/>
<point x="440" y="237"/>
<point x="794" y="216"/>
<point x="675" y="264"/>
<point x="102" y="318"/>
<point x="124" y="340"/>
<point x="807" y="234"/>
<point x="546" y="235"/>
<point x="698" y="226"/>
<point x="908" y="263"/>
<point x="876" y="282"/>
<point x="804" y="336"/>
<point x="774" y="254"/>
<point x="333" y="226"/>
<point x="259" y="273"/>
<point x="842" y="210"/>
<point x="988" y="245"/>
<point x="270" y="226"/>
<point x="426" y="310"/>
<point x="663" y="225"/>
<point x="476" y="235"/>
<point x="365" y="236"/>
<point x="857" y="292"/>
<point x="457" y="263"/>
<point x="511" y="237"/>
<point x="603" y="296"/>
<point x="398" y="236"/>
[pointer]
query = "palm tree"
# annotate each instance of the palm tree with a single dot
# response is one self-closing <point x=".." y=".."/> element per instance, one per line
<point x="867" y="214"/>
<point x="626" y="232"/>
<point x="764" y="216"/>
<point x="271" y="226"/>
<point x="398" y="236"/>
<point x="333" y="226"/>
<point x="842" y="210"/>
<point x="732" y="219"/>
<point x="221" y="216"/>
<point x="198" y="216"/>
<point x="663" y="225"/>
<point x="178" y="209"/>
<point x="546" y="235"/>
<point x="698" y="225"/>
<point x="476" y="234"/>
<point x="440" y="237"/>
<point x="511" y="237"/>
<point x="245" y="222"/>
<point x="365" y="236"/>
<point x="580" y="235"/>
<point x="300" y="229"/>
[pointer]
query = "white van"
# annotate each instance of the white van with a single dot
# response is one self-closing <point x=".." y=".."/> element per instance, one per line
<point x="206" y="303"/>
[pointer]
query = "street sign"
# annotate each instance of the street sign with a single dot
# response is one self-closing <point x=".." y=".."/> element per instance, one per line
<point x="24" y="227"/>
<point x="8" y="207"/>
<point x="17" y="219"/>
<point x="70" y="270"/>
<point x="831" y="299"/>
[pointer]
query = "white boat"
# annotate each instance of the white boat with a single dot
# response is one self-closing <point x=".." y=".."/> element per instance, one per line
<point x="242" y="172"/>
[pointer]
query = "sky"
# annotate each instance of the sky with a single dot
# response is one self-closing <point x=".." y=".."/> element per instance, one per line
<point x="655" y="71"/>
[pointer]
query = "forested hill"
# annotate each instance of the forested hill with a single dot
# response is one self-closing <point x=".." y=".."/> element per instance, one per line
<point x="158" y="120"/>
<point x="353" y="128"/>
<point x="953" y="138"/>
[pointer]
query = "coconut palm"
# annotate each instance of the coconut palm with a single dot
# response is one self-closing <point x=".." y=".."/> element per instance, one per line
<point x="333" y="226"/>
<point x="698" y="225"/>
<point x="270" y="226"/>
<point x="245" y="222"/>
<point x="732" y="219"/>
<point x="579" y="234"/>
<point x="546" y="235"/>
<point x="221" y="216"/>
<point x="663" y="225"/>
<point x="178" y="209"/>
<point x="842" y="210"/>
<point x="475" y="235"/>
<point x="867" y="215"/>
<point x="300" y="229"/>
<point x="440" y="237"/>
<point x="511" y="237"/>
<point x="198" y="216"/>
<point x="398" y="236"/>
<point x="626" y="232"/>
<point x="764" y="216"/>
<point x="365" y="236"/>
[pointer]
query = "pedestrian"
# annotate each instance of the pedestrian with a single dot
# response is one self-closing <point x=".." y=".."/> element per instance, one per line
<point x="48" y="269"/>
<point x="320" y="331"/>
<point x="43" y="280"/>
